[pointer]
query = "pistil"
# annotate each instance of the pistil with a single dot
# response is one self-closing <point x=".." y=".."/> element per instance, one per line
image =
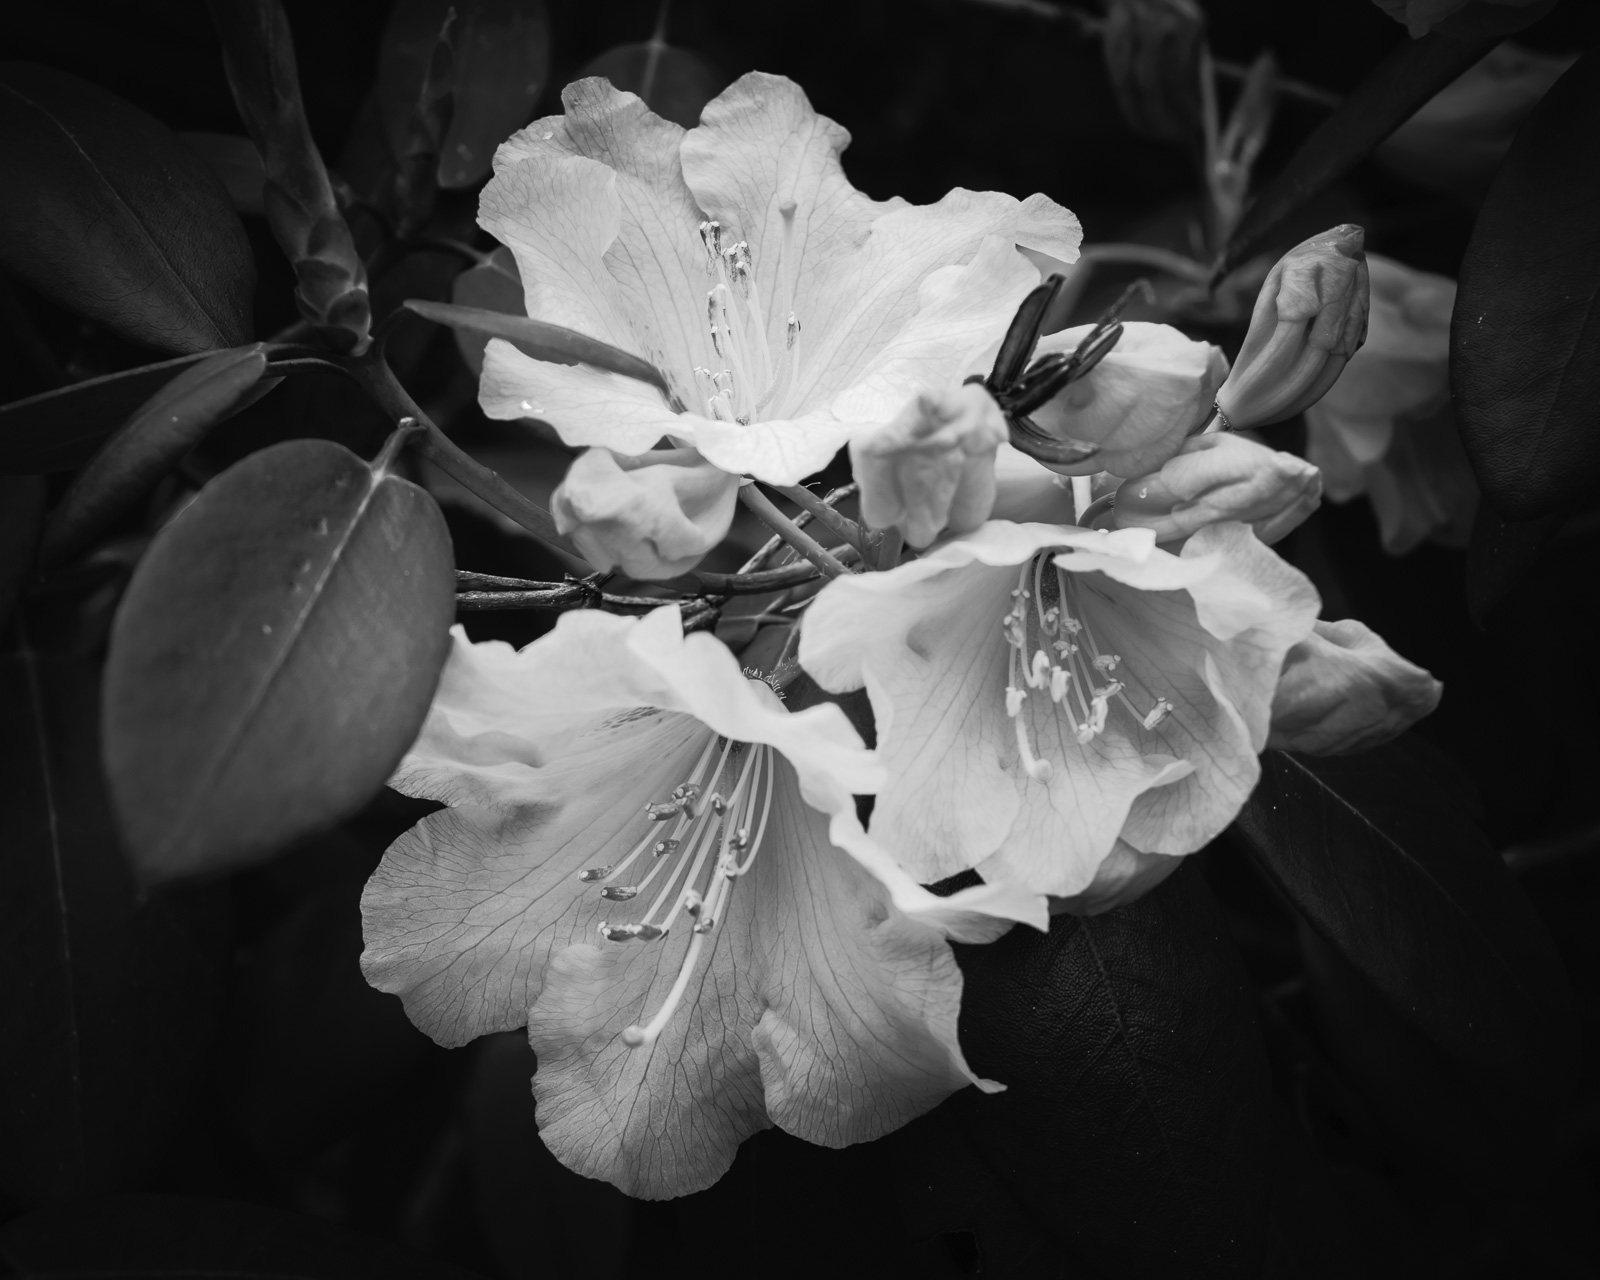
<point x="750" y="380"/>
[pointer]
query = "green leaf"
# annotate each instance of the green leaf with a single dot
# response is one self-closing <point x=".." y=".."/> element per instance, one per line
<point x="1382" y="857"/>
<point x="237" y="164"/>
<point x="1410" y="74"/>
<point x="274" y="657"/>
<point x="112" y="996"/>
<point x="105" y="211"/>
<point x="1525" y="336"/>
<point x="127" y="1237"/>
<point x="543" y="341"/>
<point x="501" y="66"/>
<point x="495" y="285"/>
<point x="673" y="82"/>
<point x="1500" y="555"/>
<point x="149" y="445"/>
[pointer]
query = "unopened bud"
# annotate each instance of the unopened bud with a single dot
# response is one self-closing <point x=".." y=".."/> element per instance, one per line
<point x="1152" y="53"/>
<point x="1221" y="477"/>
<point x="1310" y="318"/>
<point x="1139" y="402"/>
<point x="932" y="466"/>
<point x="1343" y="689"/>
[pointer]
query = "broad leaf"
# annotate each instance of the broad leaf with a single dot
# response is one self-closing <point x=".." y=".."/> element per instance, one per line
<point x="673" y="82"/>
<point x="495" y="285"/>
<point x="237" y="164"/>
<point x="123" y="1237"/>
<point x="1500" y="555"/>
<point x="1381" y="855"/>
<point x="500" y="65"/>
<point x="543" y="341"/>
<point x="1525" y="337"/>
<point x="149" y="445"/>
<point x="111" y="996"/>
<point x="1135" y="1129"/>
<point x="105" y="211"/>
<point x="274" y="657"/>
<point x="1411" y="73"/>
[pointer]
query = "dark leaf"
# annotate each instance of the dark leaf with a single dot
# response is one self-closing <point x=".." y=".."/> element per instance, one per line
<point x="105" y="211"/>
<point x="495" y="285"/>
<point x="501" y="64"/>
<point x="274" y="657"/>
<point x="1411" y="73"/>
<point x="543" y="341"/>
<point x="1135" y="1129"/>
<point x="673" y="82"/>
<point x="122" y="1237"/>
<point x="111" y="996"/>
<point x="1500" y="555"/>
<point x="22" y="502"/>
<point x="1525" y="337"/>
<point x="1382" y="856"/>
<point x="149" y="445"/>
<point x="1152" y="54"/>
<point x="237" y="164"/>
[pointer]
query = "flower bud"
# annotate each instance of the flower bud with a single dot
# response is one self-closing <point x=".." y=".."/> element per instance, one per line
<point x="1152" y="54"/>
<point x="1139" y="402"/>
<point x="932" y="467"/>
<point x="1310" y="318"/>
<point x="1344" y="690"/>
<point x="1220" y="477"/>
<point x="654" y="514"/>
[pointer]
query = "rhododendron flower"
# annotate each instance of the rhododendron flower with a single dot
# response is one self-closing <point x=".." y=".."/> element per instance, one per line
<point x="1046" y="695"/>
<point x="1343" y="690"/>
<point x="654" y="514"/>
<point x="1219" y="477"/>
<point x="785" y="309"/>
<point x="1384" y="428"/>
<point x="659" y="870"/>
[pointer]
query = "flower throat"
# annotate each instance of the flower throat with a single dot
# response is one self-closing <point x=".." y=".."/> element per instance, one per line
<point x="1053" y="648"/>
<point x="699" y="841"/>
<point x="749" y="381"/>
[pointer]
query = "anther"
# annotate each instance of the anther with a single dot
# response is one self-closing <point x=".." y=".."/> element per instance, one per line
<point x="1162" y="709"/>
<point x="661" y="812"/>
<point x="619" y="892"/>
<point x="662" y="848"/>
<point x="594" y="873"/>
<point x="1014" y="700"/>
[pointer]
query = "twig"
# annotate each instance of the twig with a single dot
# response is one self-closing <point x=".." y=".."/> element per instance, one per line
<point x="822" y="512"/>
<point x="791" y="533"/>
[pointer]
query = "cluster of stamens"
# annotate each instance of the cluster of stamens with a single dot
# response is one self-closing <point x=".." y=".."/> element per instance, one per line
<point x="749" y="380"/>
<point x="699" y="842"/>
<point x="1053" y="648"/>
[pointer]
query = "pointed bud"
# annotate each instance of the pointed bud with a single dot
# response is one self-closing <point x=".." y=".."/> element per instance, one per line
<point x="1139" y="402"/>
<point x="932" y="467"/>
<point x="1310" y="318"/>
<point x="1152" y="53"/>
<point x="1220" y="477"/>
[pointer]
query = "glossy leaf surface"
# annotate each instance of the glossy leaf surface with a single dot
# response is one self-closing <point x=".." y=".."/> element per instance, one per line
<point x="1525" y="337"/>
<point x="274" y="657"/>
<point x="105" y="211"/>
<point x="111" y="996"/>
<point x="148" y="445"/>
<point x="22" y="503"/>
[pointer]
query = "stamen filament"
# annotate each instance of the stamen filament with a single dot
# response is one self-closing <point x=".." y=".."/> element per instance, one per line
<point x="635" y="1035"/>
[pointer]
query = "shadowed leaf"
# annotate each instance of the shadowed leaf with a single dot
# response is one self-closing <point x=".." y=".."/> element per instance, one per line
<point x="105" y="211"/>
<point x="274" y="657"/>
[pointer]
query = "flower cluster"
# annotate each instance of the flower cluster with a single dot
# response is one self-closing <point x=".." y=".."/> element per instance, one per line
<point x="651" y="859"/>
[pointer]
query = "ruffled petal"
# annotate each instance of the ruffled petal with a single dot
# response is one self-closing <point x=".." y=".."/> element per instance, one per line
<point x="656" y="516"/>
<point x="466" y="908"/>
<point x="1344" y="690"/>
<point x="779" y="451"/>
<point x="1125" y="875"/>
<point x="654" y="260"/>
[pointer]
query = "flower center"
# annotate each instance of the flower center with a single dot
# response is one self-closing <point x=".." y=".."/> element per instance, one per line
<point x="1053" y="648"/>
<point x="700" y="840"/>
<point x="749" y="380"/>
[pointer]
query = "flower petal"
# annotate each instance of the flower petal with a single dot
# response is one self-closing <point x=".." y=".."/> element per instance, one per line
<point x="1125" y="875"/>
<point x="654" y="263"/>
<point x="655" y="520"/>
<point x="1344" y="690"/>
